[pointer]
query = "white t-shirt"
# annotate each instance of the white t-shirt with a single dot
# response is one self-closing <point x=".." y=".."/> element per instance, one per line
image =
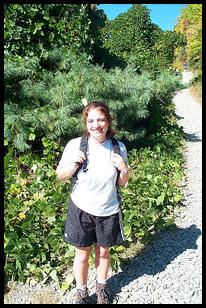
<point x="95" y="190"/>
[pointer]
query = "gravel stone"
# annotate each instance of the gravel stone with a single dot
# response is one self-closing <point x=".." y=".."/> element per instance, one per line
<point x="167" y="271"/>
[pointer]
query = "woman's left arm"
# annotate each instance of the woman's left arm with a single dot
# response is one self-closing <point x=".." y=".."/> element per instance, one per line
<point x="123" y="177"/>
<point x="120" y="164"/>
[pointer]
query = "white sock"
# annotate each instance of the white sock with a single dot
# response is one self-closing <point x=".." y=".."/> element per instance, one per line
<point x="102" y="281"/>
<point x="82" y="288"/>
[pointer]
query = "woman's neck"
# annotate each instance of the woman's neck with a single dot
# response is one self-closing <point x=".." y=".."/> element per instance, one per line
<point x="99" y="140"/>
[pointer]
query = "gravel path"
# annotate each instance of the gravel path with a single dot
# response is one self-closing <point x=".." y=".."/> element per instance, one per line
<point x="168" y="271"/>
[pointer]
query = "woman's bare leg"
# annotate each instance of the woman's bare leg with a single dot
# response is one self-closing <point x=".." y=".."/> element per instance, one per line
<point x="102" y="261"/>
<point x="81" y="265"/>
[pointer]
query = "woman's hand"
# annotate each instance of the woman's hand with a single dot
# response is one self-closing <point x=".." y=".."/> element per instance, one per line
<point x="118" y="162"/>
<point x="78" y="158"/>
<point x="66" y="172"/>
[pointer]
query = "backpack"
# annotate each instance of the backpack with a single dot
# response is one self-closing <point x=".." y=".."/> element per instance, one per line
<point x="83" y="148"/>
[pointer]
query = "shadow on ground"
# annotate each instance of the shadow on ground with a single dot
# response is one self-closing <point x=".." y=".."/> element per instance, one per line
<point x="154" y="258"/>
<point x="192" y="137"/>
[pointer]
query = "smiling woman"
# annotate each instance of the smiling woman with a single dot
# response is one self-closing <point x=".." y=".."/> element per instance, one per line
<point x="94" y="213"/>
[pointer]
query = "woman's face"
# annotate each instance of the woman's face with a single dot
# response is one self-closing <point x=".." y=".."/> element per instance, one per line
<point x="97" y="124"/>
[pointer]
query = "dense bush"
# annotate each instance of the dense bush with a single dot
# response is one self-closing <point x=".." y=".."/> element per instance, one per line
<point x="33" y="212"/>
<point x="43" y="103"/>
<point x="34" y="29"/>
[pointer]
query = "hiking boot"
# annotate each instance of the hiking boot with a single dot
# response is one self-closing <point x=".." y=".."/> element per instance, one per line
<point x="102" y="294"/>
<point x="82" y="297"/>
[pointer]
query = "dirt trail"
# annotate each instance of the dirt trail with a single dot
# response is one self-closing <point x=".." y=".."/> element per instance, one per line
<point x="187" y="76"/>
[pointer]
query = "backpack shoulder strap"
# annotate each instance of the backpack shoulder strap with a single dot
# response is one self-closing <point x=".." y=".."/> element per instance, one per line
<point x="82" y="147"/>
<point x="116" y="147"/>
<point x="116" y="150"/>
<point x="83" y="143"/>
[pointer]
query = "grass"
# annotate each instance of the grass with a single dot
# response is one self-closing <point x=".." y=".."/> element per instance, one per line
<point x="196" y="92"/>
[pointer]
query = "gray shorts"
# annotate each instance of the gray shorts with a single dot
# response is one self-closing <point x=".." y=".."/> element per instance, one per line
<point x="83" y="229"/>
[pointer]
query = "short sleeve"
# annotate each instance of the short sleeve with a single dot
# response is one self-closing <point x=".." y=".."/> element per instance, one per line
<point x="69" y="150"/>
<point x="123" y="151"/>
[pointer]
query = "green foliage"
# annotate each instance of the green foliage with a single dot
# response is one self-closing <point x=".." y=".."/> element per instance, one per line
<point x="129" y="32"/>
<point x="35" y="212"/>
<point x="133" y="37"/>
<point x="49" y="103"/>
<point x="163" y="51"/>
<point x="190" y="24"/>
<point x="152" y="192"/>
<point x="34" y="29"/>
<point x="44" y="88"/>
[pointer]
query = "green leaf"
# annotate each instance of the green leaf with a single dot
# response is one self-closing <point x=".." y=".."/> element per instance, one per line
<point x="32" y="267"/>
<point x="32" y="136"/>
<point x="64" y="286"/>
<point x="177" y="198"/>
<point x="18" y="264"/>
<point x="69" y="278"/>
<point x="50" y="173"/>
<point x="127" y="230"/>
<point x="51" y="37"/>
<point x="51" y="218"/>
<point x="160" y="199"/>
<point x="53" y="275"/>
<point x="59" y="26"/>
<point x="43" y="256"/>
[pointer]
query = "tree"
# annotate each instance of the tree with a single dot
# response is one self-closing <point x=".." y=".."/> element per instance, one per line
<point x="163" y="51"/>
<point x="130" y="34"/>
<point x="190" y="24"/>
<point x="51" y="107"/>
<point x="44" y="86"/>
<point x="41" y="39"/>
<point x="134" y="38"/>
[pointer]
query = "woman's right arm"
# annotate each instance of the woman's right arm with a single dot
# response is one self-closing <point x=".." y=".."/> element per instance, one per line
<point x="65" y="171"/>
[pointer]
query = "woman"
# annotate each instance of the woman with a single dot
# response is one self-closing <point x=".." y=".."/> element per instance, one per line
<point x="94" y="214"/>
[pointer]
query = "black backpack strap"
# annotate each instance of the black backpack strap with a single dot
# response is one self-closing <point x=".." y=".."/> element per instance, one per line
<point x="83" y="148"/>
<point x="116" y="149"/>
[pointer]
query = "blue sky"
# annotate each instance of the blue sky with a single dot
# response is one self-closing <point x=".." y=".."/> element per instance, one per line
<point x="163" y="15"/>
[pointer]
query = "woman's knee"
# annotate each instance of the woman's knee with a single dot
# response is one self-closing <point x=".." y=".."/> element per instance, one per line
<point x="82" y="254"/>
<point x="102" y="252"/>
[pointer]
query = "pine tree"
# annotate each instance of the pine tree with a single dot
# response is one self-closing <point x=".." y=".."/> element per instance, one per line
<point x="48" y="103"/>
